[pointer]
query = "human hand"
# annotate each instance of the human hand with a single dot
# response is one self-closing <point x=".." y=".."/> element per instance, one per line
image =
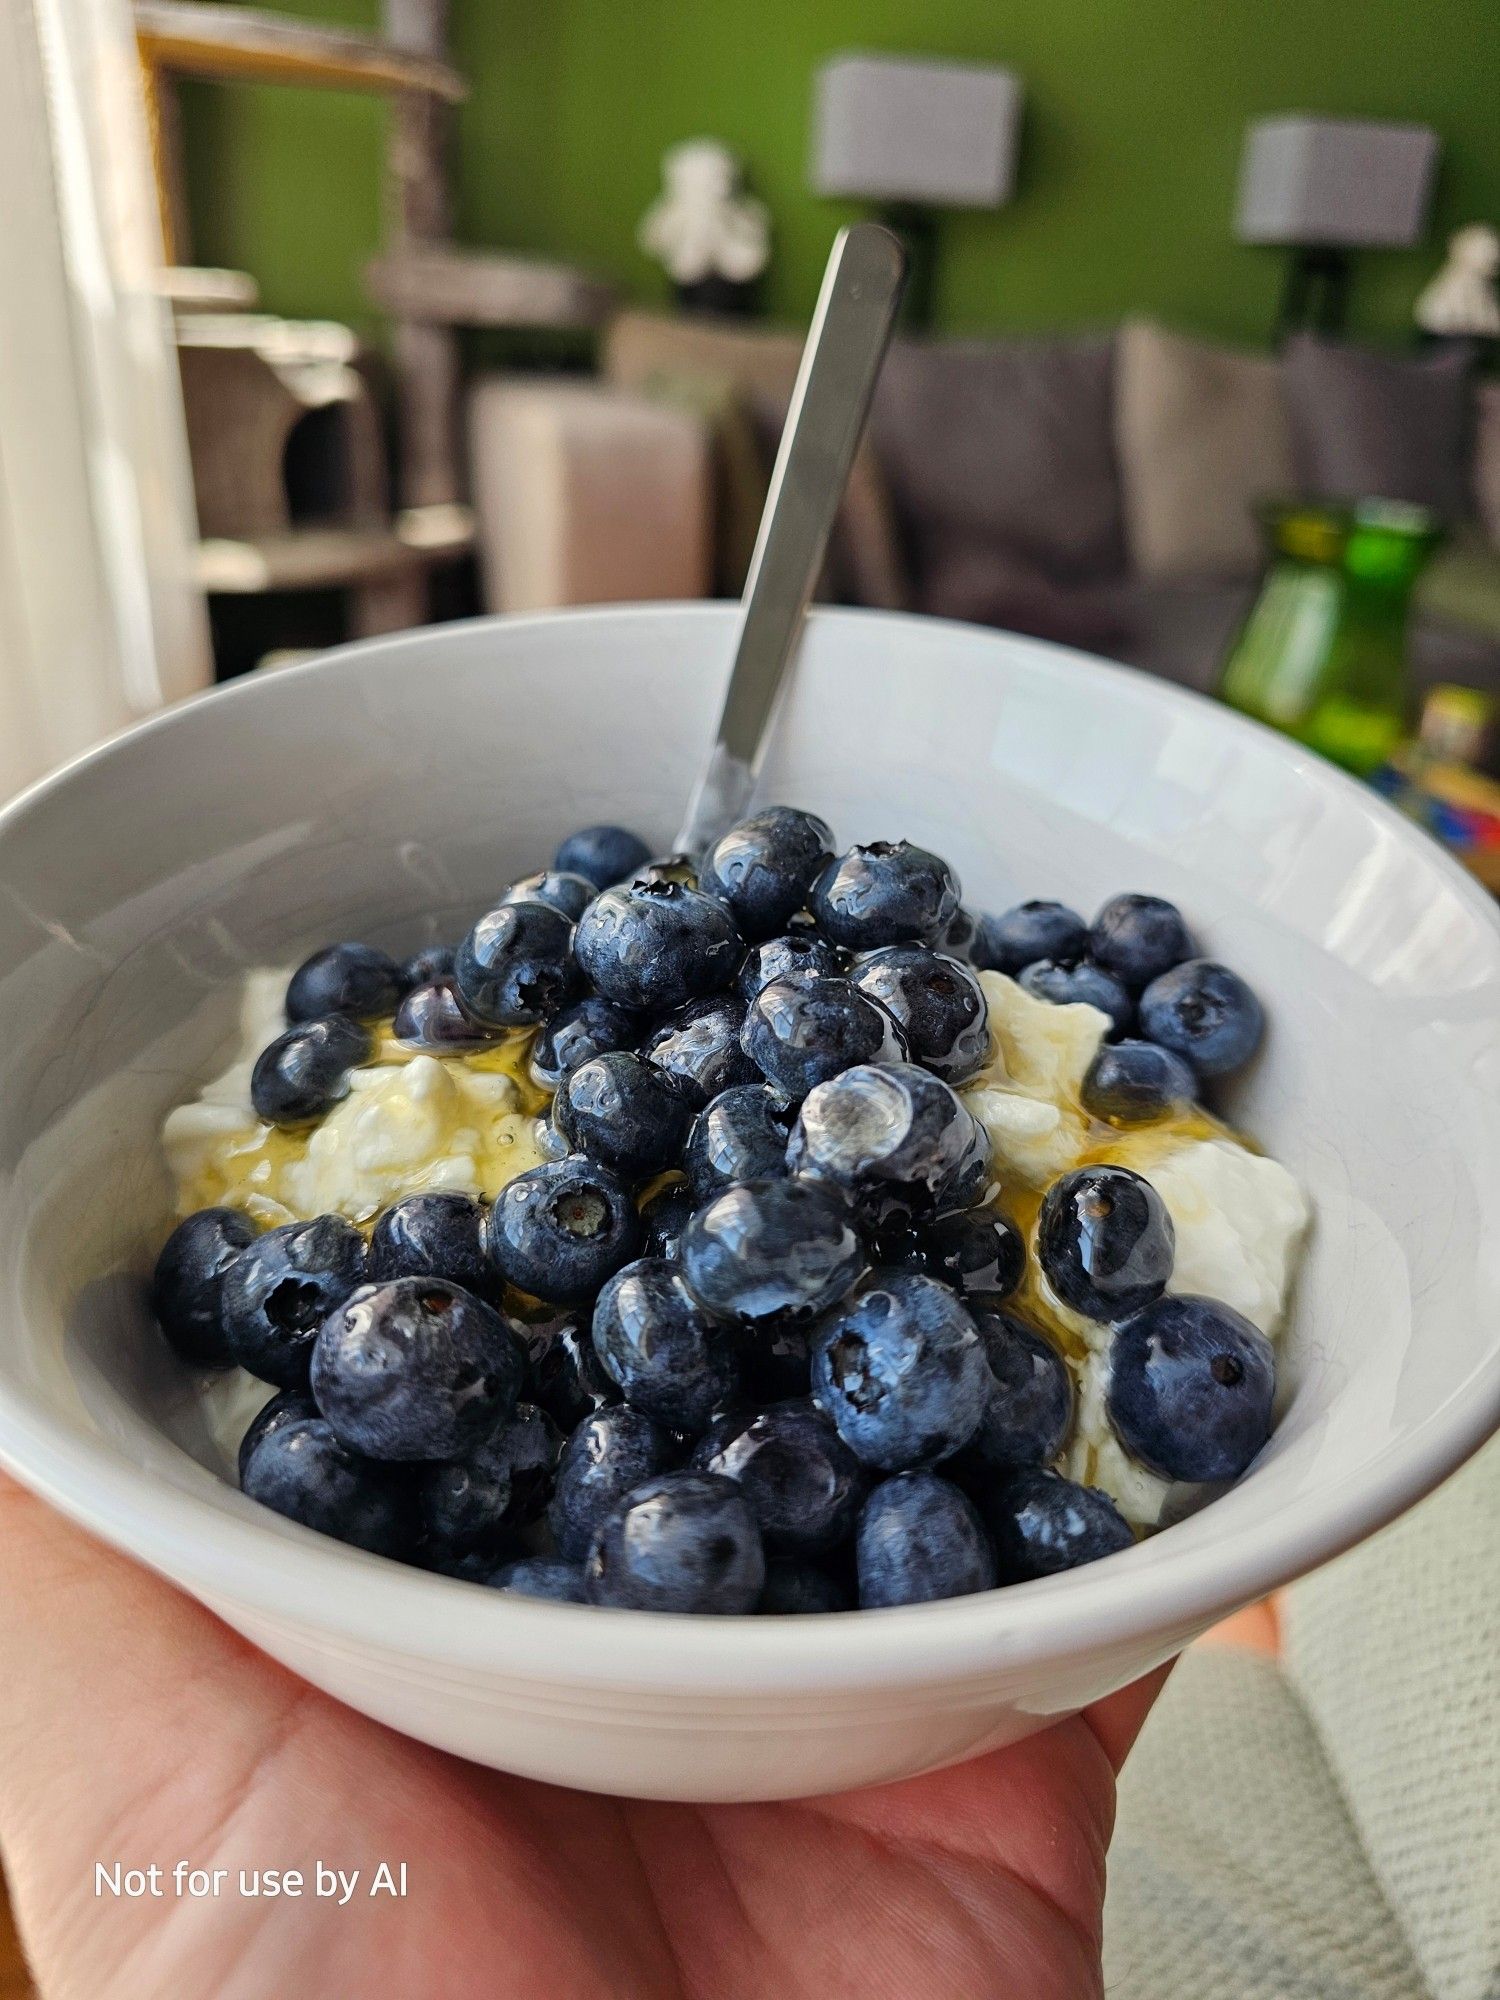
<point x="135" y="1727"/>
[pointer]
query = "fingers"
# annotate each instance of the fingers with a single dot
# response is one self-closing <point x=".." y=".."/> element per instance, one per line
<point x="1116" y="1721"/>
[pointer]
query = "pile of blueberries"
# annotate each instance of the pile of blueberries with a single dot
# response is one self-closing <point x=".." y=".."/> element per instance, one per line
<point x="741" y="1342"/>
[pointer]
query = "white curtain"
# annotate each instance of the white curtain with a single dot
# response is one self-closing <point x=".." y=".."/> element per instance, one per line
<point x="100" y="618"/>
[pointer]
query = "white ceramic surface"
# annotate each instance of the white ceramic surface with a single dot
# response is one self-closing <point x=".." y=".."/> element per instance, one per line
<point x="413" y="777"/>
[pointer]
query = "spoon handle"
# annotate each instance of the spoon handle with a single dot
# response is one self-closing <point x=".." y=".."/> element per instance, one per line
<point x="851" y="329"/>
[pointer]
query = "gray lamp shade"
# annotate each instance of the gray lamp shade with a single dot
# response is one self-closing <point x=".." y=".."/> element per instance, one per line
<point x="899" y="128"/>
<point x="1335" y="182"/>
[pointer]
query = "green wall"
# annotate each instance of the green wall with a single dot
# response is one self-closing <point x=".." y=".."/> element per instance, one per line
<point x="1134" y="113"/>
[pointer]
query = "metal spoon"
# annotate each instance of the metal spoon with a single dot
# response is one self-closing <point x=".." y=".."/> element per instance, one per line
<point x="851" y="329"/>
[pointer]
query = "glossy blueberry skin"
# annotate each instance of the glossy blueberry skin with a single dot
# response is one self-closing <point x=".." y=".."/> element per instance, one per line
<point x="798" y="1589"/>
<point x="479" y="1501"/>
<point x="298" y="1076"/>
<point x="900" y="1368"/>
<point x="1105" y="1242"/>
<point x="589" y="1027"/>
<point x="542" y="1576"/>
<point x="287" y="1406"/>
<point x="1205" y="1013"/>
<point x="1041" y="1524"/>
<point x="431" y="1017"/>
<point x="803" y="1483"/>
<point x="656" y="945"/>
<point x="920" y="1539"/>
<point x="666" y="1355"/>
<point x="961" y="939"/>
<point x="1137" y="1083"/>
<point x="561" y="1229"/>
<point x="603" y="854"/>
<point x="883" y="1130"/>
<point x="977" y="1251"/>
<point x="803" y="950"/>
<point x="353" y="979"/>
<point x="1138" y="938"/>
<point x="664" y="1218"/>
<point x="939" y="1004"/>
<point x="608" y="1454"/>
<point x="625" y="1112"/>
<point x="566" y="1379"/>
<point x="431" y="965"/>
<point x="801" y="1031"/>
<point x="568" y="893"/>
<point x="776" y="1362"/>
<point x="764" y="867"/>
<point x="1020" y="936"/>
<point x="282" y="1287"/>
<point x="741" y="1136"/>
<point x="1085" y="983"/>
<point x="700" y="1046"/>
<point x="1191" y="1383"/>
<point x="684" y="1541"/>
<point x="516" y="966"/>
<point x="764" y="1249"/>
<point x="303" y="1471"/>
<point x="416" y="1369"/>
<point x="436" y="1234"/>
<point x="187" y="1285"/>
<point x="1028" y="1411"/>
<point x="888" y="892"/>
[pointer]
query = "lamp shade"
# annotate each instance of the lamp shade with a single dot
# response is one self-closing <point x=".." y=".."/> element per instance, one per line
<point x="1335" y="182"/>
<point x="901" y="128"/>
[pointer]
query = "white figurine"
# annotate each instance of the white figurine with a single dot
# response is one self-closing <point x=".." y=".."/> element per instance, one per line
<point x="1461" y="301"/>
<point x="702" y="228"/>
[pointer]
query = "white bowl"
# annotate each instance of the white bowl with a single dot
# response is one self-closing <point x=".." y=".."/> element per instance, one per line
<point x="417" y="775"/>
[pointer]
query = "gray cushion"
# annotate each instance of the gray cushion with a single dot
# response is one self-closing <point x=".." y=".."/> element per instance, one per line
<point x="1385" y="426"/>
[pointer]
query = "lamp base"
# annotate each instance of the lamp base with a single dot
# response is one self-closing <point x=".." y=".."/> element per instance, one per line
<point x="1316" y="294"/>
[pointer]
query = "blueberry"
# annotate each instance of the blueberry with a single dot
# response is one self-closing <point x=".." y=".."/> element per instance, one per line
<point x="608" y="1454"/>
<point x="1135" y="1083"/>
<point x="801" y="1031"/>
<point x="303" y="1471"/>
<point x="655" y="945"/>
<point x="977" y="1251"/>
<point x="282" y="1287"/>
<point x="1190" y="1388"/>
<point x="1028" y="1410"/>
<point x="1206" y="1013"/>
<point x="699" y="1044"/>
<point x="589" y="1027"/>
<point x="1138" y="938"/>
<point x="625" y="1112"/>
<point x="604" y="854"/>
<point x="800" y="1589"/>
<point x="664" y="1218"/>
<point x="679" y="868"/>
<point x="767" y="1248"/>
<point x="479" y="1501"/>
<point x="567" y="1380"/>
<point x="920" y="1539"/>
<point x="570" y="894"/>
<point x="1042" y="1524"/>
<point x="665" y="1353"/>
<point x="764" y="867"/>
<point x="432" y="1017"/>
<point x="1018" y="938"/>
<point x="961" y="939"/>
<point x="352" y="979"/>
<point x="416" y="1368"/>
<point x="516" y="966"/>
<point x="542" y="1576"/>
<point x="938" y="1003"/>
<point x="741" y="1136"/>
<point x="560" y="1230"/>
<point x="900" y="1368"/>
<point x="798" y="951"/>
<point x="802" y="1482"/>
<point x="429" y="966"/>
<point x="1084" y="984"/>
<point x="287" y="1406"/>
<point x="891" y="1130"/>
<point x="886" y="893"/>
<point x="776" y="1361"/>
<point x="437" y="1234"/>
<point x="187" y="1285"/>
<point x="684" y="1541"/>
<point x="1105" y="1242"/>
<point x="299" y="1075"/>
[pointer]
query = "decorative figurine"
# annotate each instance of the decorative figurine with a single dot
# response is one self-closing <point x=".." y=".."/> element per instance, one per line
<point x="1460" y="302"/>
<point x="712" y="239"/>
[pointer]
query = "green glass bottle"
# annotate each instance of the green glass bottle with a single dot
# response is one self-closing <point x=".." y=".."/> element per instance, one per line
<point x="1322" y="654"/>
